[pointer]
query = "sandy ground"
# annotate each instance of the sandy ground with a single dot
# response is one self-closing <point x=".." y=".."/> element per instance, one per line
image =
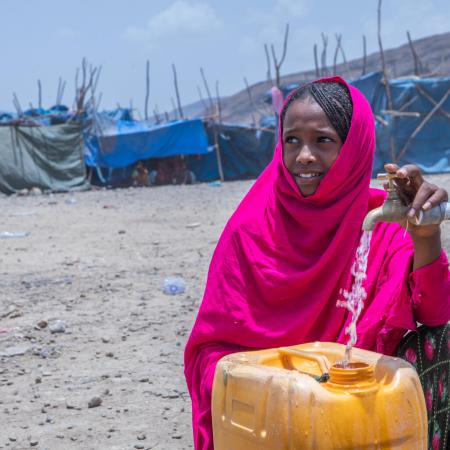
<point x="97" y="261"/>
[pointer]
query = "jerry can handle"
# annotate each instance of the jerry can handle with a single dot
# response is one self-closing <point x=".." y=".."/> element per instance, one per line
<point x="321" y="360"/>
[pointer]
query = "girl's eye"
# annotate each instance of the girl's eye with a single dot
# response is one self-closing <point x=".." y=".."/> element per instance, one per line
<point x="291" y="140"/>
<point x="324" y="139"/>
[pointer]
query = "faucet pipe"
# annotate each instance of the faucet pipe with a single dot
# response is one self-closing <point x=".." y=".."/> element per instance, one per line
<point x="393" y="210"/>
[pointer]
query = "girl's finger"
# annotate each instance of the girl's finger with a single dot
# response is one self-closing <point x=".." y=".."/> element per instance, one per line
<point x="439" y="196"/>
<point x="410" y="174"/>
<point x="425" y="197"/>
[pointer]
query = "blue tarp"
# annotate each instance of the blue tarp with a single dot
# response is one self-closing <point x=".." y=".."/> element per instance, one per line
<point x="430" y="149"/>
<point x="128" y="142"/>
<point x="245" y="152"/>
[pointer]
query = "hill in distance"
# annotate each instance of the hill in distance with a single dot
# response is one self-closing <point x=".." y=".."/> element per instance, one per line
<point x="433" y="53"/>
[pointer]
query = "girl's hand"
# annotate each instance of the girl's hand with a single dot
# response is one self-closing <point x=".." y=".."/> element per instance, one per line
<point x="420" y="194"/>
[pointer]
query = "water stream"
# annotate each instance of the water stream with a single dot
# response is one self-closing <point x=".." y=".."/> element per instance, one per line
<point x="354" y="299"/>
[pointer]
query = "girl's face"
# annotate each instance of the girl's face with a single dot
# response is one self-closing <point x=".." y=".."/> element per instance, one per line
<point x="310" y="144"/>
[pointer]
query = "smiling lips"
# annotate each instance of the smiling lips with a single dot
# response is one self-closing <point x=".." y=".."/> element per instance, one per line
<point x="307" y="175"/>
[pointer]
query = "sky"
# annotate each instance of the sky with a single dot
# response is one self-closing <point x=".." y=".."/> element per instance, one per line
<point x="46" y="39"/>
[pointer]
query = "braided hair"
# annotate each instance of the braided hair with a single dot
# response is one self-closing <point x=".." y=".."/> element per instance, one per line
<point x="333" y="97"/>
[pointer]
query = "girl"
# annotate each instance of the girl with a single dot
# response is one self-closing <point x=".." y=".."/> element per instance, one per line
<point x="286" y="253"/>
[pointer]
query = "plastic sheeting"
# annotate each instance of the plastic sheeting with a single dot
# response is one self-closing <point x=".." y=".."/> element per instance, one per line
<point x="50" y="158"/>
<point x="245" y="152"/>
<point x="124" y="143"/>
<point x="430" y="149"/>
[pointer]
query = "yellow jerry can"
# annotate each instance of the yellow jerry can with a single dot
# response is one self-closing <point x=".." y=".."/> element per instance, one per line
<point x="301" y="397"/>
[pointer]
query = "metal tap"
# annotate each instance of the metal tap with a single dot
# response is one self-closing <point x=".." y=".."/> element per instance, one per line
<point x="394" y="210"/>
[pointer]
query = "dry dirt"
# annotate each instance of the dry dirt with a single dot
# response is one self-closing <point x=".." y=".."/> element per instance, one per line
<point x="97" y="261"/>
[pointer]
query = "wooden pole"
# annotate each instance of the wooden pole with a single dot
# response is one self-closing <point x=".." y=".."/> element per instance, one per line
<point x="219" y="106"/>
<point x="208" y="92"/>
<point x="39" y="94"/>
<point x="269" y="74"/>
<point x="277" y="64"/>
<point x="316" y="61"/>
<point x="217" y="147"/>
<point x="323" y="56"/>
<point x="414" y="54"/>
<point x="205" y="106"/>
<point x="147" y="88"/>
<point x="363" y="72"/>
<point x="177" y="93"/>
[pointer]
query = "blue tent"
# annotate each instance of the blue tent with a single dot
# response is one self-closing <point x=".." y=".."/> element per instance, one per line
<point x="244" y="151"/>
<point x="125" y="142"/>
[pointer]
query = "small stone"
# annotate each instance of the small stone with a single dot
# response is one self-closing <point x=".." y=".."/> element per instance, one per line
<point x="144" y="380"/>
<point x="12" y="439"/>
<point x="15" y="350"/>
<point x="106" y="340"/>
<point x="109" y="354"/>
<point x="59" y="326"/>
<point x="121" y="232"/>
<point x="141" y="437"/>
<point x="38" y="380"/>
<point x="139" y="446"/>
<point x="35" y="191"/>
<point x="42" y="324"/>
<point x="34" y="443"/>
<point x="94" y="402"/>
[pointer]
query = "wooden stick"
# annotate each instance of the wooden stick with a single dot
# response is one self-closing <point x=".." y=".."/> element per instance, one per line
<point x="16" y="104"/>
<point x="208" y="92"/>
<point x="218" y="153"/>
<point x="363" y="72"/>
<point x="381" y="120"/>
<point x="277" y="64"/>
<point x="39" y="94"/>
<point x="400" y="113"/>
<point x="431" y="99"/>
<point x="156" y="115"/>
<point x="409" y="102"/>
<point x="147" y="88"/>
<point x="219" y="106"/>
<point x="323" y="56"/>
<point x="250" y="99"/>
<point x="58" y="90"/>
<point x="316" y="61"/>
<point x="269" y="75"/>
<point x="174" y="108"/>
<point x="338" y="44"/>
<point x="415" y="58"/>
<point x="423" y="123"/>
<point x="205" y="106"/>
<point x="177" y="93"/>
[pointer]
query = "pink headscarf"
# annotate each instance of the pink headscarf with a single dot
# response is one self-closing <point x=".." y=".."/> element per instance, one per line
<point x="281" y="262"/>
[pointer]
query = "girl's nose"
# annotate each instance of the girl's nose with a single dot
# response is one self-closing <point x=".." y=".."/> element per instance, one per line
<point x="305" y="155"/>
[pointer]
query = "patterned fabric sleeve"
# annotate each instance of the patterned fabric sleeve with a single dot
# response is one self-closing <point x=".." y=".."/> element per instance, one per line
<point x="430" y="292"/>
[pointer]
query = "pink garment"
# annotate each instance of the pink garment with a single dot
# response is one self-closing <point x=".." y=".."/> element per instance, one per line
<point x="277" y="99"/>
<point x="283" y="258"/>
